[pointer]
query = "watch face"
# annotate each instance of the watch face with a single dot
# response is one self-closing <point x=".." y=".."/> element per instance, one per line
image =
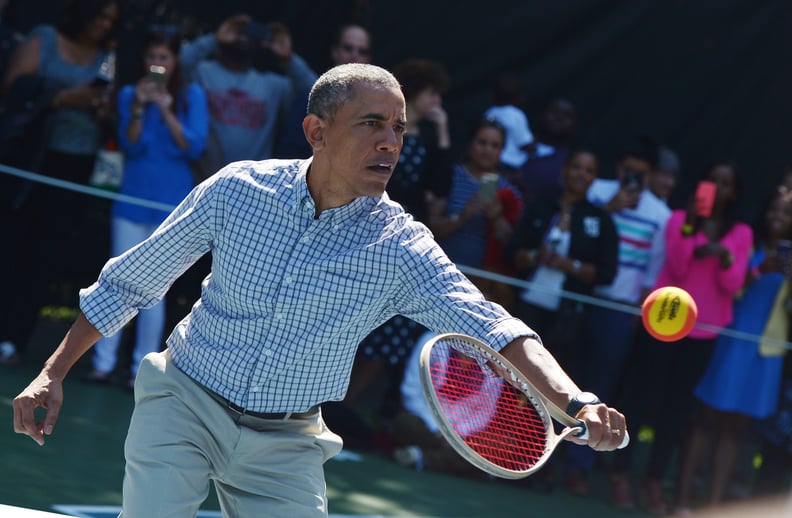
<point x="587" y="398"/>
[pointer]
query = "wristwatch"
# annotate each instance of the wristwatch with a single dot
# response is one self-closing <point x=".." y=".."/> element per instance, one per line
<point x="579" y="401"/>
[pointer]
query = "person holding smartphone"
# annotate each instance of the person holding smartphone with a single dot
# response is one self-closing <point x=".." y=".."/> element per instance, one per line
<point x="707" y="253"/>
<point x="52" y="71"/>
<point x="743" y="379"/>
<point x="476" y="219"/>
<point x="251" y="76"/>
<point x="163" y="125"/>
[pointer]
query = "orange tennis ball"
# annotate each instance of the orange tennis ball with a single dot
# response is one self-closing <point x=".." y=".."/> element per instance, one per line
<point x="669" y="313"/>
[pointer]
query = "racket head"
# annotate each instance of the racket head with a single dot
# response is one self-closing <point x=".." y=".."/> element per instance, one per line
<point x="501" y="429"/>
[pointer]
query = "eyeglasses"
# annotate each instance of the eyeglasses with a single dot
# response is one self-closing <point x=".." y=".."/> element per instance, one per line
<point x="167" y="29"/>
<point x="361" y="51"/>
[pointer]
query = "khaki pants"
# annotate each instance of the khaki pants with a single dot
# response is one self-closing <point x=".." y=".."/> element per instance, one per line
<point x="180" y="438"/>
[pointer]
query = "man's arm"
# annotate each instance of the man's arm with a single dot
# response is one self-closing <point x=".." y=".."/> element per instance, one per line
<point x="46" y="390"/>
<point x="139" y="278"/>
<point x="606" y="426"/>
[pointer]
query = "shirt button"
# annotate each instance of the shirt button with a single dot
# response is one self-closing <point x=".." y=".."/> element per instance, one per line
<point x="306" y="239"/>
<point x="336" y="227"/>
<point x="267" y="352"/>
<point x="255" y="388"/>
<point x="288" y="280"/>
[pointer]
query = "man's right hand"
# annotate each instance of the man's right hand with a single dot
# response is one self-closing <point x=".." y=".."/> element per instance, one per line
<point x="44" y="392"/>
<point x="625" y="198"/>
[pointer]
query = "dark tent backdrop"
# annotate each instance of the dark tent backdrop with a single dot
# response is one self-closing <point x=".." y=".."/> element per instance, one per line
<point x="709" y="78"/>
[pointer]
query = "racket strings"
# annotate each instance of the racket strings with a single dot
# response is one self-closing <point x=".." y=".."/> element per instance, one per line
<point x="494" y="419"/>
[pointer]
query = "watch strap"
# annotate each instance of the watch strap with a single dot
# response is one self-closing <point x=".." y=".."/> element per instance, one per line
<point x="579" y="401"/>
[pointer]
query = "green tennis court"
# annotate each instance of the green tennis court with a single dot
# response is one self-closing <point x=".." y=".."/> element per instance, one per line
<point x="80" y="469"/>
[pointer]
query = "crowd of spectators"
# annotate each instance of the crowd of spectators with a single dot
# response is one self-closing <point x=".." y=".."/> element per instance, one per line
<point x="518" y="201"/>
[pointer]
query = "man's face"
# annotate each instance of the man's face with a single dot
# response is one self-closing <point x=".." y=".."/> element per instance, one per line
<point x="363" y="141"/>
<point x="662" y="182"/>
<point x="352" y="48"/>
<point x="559" y="119"/>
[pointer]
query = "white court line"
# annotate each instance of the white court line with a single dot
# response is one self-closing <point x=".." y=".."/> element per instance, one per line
<point x="7" y="511"/>
<point x="109" y="511"/>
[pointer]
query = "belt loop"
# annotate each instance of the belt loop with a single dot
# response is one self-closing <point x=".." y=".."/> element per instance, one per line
<point x="287" y="416"/>
<point x="240" y="412"/>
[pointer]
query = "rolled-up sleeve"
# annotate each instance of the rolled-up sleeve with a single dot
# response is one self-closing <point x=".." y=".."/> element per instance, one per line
<point x="140" y="277"/>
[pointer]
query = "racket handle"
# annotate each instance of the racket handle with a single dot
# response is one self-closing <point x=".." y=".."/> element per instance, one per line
<point x="583" y="434"/>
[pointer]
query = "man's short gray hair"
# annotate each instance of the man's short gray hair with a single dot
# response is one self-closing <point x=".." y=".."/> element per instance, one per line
<point x="335" y="87"/>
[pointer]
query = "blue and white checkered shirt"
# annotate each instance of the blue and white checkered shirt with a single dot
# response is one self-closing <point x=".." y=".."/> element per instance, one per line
<point x="290" y="296"/>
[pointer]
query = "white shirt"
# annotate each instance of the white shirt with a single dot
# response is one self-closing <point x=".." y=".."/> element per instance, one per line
<point x="641" y="241"/>
<point x="518" y="133"/>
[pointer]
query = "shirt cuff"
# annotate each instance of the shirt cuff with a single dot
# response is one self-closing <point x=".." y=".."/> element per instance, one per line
<point x="104" y="310"/>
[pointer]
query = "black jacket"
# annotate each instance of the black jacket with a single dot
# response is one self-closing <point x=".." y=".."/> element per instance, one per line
<point x="593" y="239"/>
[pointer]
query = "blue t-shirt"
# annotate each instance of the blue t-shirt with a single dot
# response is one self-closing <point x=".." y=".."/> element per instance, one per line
<point x="155" y="167"/>
<point x="74" y="130"/>
<point x="467" y="245"/>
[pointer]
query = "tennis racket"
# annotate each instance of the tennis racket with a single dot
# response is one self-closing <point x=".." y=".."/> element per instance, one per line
<point x="488" y="411"/>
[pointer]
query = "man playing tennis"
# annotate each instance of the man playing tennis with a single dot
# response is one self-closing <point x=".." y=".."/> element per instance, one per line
<point x="308" y="257"/>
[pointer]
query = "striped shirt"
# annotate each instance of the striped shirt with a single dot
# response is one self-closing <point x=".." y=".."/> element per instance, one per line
<point x="641" y="242"/>
<point x="290" y="295"/>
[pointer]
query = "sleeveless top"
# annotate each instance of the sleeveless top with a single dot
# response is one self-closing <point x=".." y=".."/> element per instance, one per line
<point x="74" y="130"/>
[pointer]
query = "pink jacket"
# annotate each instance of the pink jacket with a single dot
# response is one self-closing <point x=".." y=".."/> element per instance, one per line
<point x="712" y="287"/>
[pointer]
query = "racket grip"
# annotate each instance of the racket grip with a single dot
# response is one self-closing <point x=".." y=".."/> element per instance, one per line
<point x="583" y="434"/>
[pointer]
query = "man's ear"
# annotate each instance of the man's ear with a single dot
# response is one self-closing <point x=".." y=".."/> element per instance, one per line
<point x="314" y="129"/>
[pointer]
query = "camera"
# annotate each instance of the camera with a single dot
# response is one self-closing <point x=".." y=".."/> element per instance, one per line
<point x="632" y="179"/>
<point x="258" y="31"/>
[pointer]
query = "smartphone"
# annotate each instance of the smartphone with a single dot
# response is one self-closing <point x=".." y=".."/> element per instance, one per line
<point x="487" y="186"/>
<point x="258" y="31"/>
<point x="632" y="180"/>
<point x="704" y="198"/>
<point x="156" y="74"/>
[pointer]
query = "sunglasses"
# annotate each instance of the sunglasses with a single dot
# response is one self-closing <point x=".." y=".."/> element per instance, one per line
<point x="361" y="51"/>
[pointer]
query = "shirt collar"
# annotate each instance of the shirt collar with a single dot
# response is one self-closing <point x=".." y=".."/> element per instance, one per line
<point x="303" y="202"/>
